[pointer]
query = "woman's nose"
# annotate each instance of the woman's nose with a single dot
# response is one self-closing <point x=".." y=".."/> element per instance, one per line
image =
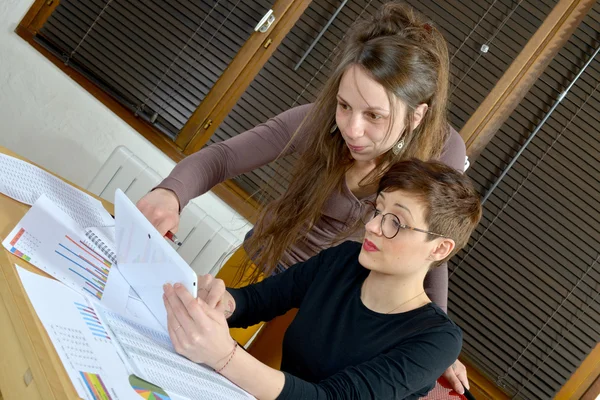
<point x="355" y="127"/>
<point x="374" y="225"/>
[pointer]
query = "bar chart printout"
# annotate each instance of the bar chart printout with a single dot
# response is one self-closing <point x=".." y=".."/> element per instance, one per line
<point x="92" y="321"/>
<point x="88" y="269"/>
<point x="81" y="339"/>
<point x="85" y="268"/>
<point x="49" y="239"/>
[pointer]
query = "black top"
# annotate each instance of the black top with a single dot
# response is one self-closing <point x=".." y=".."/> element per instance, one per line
<point x="336" y="348"/>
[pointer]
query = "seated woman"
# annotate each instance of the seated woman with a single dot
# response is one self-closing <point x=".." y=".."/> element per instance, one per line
<point x="365" y="328"/>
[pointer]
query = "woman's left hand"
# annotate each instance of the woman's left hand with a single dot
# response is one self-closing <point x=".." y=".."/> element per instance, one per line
<point x="456" y="375"/>
<point x="197" y="331"/>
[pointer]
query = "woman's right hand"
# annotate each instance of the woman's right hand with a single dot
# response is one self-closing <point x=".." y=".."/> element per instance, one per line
<point x="161" y="207"/>
<point x="213" y="292"/>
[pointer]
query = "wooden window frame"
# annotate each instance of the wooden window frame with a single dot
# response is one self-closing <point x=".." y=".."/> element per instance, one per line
<point x="480" y="386"/>
<point x="221" y="98"/>
<point x="585" y="381"/>
<point x="503" y="99"/>
<point x="524" y="71"/>
<point x="235" y="80"/>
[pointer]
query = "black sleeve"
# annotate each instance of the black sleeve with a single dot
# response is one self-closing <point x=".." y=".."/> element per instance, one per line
<point x="406" y="371"/>
<point x="277" y="294"/>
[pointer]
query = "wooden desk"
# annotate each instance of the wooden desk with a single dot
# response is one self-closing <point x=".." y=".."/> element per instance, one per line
<point x="29" y="365"/>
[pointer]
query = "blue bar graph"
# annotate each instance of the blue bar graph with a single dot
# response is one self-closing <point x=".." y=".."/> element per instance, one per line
<point x="92" y="321"/>
<point x="89" y="270"/>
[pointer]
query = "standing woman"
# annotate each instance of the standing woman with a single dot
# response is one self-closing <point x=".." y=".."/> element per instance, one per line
<point x="385" y="101"/>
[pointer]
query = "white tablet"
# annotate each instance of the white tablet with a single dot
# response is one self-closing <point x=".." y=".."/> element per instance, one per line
<point x="146" y="260"/>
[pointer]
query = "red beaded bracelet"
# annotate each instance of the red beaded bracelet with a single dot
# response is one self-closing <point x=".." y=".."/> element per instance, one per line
<point x="230" y="357"/>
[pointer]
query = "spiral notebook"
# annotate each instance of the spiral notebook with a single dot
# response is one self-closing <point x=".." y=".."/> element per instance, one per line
<point x="102" y="240"/>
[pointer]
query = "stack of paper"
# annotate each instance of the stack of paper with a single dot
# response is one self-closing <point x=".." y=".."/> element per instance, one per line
<point x="102" y="330"/>
<point x="26" y="183"/>
<point x="82" y="340"/>
<point x="103" y="351"/>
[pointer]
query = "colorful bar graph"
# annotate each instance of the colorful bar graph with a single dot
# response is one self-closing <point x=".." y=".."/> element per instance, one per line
<point x="95" y="386"/>
<point x="98" y="256"/>
<point x="92" y="321"/>
<point x="87" y="265"/>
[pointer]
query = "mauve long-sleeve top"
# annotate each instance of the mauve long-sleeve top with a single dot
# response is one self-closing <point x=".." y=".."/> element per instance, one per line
<point x="199" y="172"/>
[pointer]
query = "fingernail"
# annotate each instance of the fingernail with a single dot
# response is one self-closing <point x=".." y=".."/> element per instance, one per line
<point x="461" y="391"/>
<point x="177" y="285"/>
<point x="165" y="287"/>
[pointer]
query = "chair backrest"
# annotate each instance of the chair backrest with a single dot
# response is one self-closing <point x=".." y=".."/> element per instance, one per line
<point x="206" y="244"/>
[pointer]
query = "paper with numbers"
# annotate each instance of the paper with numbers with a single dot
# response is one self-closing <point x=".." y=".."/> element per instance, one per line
<point x="154" y="359"/>
<point x="101" y="349"/>
<point x="81" y="338"/>
<point x="25" y="182"/>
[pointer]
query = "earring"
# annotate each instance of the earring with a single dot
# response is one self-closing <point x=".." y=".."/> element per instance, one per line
<point x="333" y="128"/>
<point x="398" y="147"/>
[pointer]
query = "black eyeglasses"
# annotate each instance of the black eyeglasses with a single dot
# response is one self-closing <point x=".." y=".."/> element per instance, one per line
<point x="390" y="224"/>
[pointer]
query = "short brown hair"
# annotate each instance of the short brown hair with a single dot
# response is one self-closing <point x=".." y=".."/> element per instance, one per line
<point x="452" y="205"/>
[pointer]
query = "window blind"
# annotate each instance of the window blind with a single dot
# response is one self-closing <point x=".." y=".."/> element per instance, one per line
<point x="157" y="58"/>
<point x="505" y="26"/>
<point x="525" y="290"/>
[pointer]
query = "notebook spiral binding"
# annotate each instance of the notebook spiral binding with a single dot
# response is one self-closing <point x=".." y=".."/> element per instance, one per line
<point x="103" y="247"/>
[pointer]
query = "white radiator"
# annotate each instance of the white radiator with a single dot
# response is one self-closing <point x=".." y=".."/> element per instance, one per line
<point x="207" y="244"/>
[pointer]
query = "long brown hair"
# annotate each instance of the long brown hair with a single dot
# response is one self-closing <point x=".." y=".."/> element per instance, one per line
<point x="401" y="50"/>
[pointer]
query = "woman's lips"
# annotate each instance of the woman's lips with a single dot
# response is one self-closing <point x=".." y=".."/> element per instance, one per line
<point x="369" y="246"/>
<point x="356" y="149"/>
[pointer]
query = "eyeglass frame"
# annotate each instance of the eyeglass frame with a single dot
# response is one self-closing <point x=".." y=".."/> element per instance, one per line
<point x="400" y="224"/>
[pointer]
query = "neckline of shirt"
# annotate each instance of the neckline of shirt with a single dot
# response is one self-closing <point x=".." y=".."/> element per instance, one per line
<point x="362" y="305"/>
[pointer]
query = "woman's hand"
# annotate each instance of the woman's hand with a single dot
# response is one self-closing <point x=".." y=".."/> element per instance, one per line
<point x="213" y="292"/>
<point x="457" y="377"/>
<point x="197" y="331"/>
<point x="161" y="207"/>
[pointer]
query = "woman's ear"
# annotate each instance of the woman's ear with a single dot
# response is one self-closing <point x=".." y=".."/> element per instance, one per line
<point x="443" y="248"/>
<point x="419" y="114"/>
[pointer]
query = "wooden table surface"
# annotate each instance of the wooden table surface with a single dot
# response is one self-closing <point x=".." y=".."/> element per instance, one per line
<point x="29" y="365"/>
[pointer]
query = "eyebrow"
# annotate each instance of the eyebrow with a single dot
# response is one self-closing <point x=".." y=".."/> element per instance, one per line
<point x="368" y="108"/>
<point x="399" y="205"/>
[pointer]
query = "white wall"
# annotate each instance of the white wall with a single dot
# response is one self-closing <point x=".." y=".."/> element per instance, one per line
<point x="48" y="118"/>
